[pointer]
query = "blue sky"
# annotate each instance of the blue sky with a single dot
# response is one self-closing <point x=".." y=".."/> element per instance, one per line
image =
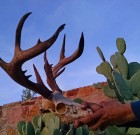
<point x="102" y="21"/>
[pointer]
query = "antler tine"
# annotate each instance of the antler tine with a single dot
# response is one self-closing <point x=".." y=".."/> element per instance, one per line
<point x="62" y="54"/>
<point x="18" y="32"/>
<point x="40" y="46"/>
<point x="50" y="78"/>
<point x="13" y="69"/>
<point x="64" y="61"/>
<point x="38" y="77"/>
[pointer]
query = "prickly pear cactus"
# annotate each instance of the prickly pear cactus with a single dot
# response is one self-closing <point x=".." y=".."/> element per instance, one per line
<point x="121" y="46"/>
<point x="48" y="124"/>
<point x="30" y="129"/>
<point x="123" y="82"/>
<point x="122" y="77"/>
<point x="20" y="126"/>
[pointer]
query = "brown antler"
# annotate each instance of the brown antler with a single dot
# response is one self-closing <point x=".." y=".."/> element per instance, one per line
<point x="53" y="72"/>
<point x="13" y="69"/>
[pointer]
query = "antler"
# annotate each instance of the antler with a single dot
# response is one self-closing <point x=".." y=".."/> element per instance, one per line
<point x="13" y="69"/>
<point x="53" y="72"/>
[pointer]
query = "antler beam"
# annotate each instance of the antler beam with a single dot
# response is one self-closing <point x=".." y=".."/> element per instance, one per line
<point x="13" y="69"/>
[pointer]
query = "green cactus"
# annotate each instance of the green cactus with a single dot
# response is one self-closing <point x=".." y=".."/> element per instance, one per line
<point x="125" y="83"/>
<point x="133" y="131"/>
<point x="35" y="121"/>
<point x="56" y="132"/>
<point x="121" y="46"/>
<point x="40" y="123"/>
<point x="79" y="131"/>
<point x="122" y="86"/>
<point x="64" y="128"/>
<point x="105" y="69"/>
<point x="113" y="62"/>
<point x="85" y="130"/>
<point x="135" y="83"/>
<point x="50" y="128"/>
<point x="45" y="131"/>
<point x="122" y="64"/>
<point x="20" y="126"/>
<point x="97" y="85"/>
<point x="24" y="129"/>
<point x="51" y="120"/>
<point x="133" y="67"/>
<point x="70" y="132"/>
<point x="114" y="130"/>
<point x="91" y="133"/>
<point x="30" y="129"/>
<point x="78" y="100"/>
<point x="109" y="92"/>
<point x="100" y="54"/>
<point x="37" y="131"/>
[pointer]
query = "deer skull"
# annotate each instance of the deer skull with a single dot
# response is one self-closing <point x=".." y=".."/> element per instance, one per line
<point x="66" y="109"/>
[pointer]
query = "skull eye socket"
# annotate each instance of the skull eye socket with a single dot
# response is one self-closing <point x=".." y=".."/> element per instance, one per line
<point x="61" y="108"/>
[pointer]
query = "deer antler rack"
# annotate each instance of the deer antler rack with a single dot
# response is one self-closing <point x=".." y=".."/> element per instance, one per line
<point x="13" y="68"/>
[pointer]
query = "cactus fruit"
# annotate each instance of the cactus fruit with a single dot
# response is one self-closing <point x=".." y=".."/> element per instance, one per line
<point x="121" y="46"/>
<point x="100" y="54"/>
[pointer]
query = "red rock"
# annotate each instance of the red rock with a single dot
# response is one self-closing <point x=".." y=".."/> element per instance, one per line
<point x="10" y="114"/>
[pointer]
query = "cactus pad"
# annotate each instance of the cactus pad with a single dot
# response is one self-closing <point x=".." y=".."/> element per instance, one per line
<point x="100" y="54"/>
<point x="35" y="121"/>
<point x="121" y="46"/>
<point x="37" y="131"/>
<point x="122" y="64"/>
<point x="105" y="69"/>
<point x="133" y="67"/>
<point x="20" y="125"/>
<point x="30" y="129"/>
<point x="122" y="86"/>
<point x="113" y="62"/>
<point x="109" y="92"/>
<point x="56" y="132"/>
<point x="135" y="83"/>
